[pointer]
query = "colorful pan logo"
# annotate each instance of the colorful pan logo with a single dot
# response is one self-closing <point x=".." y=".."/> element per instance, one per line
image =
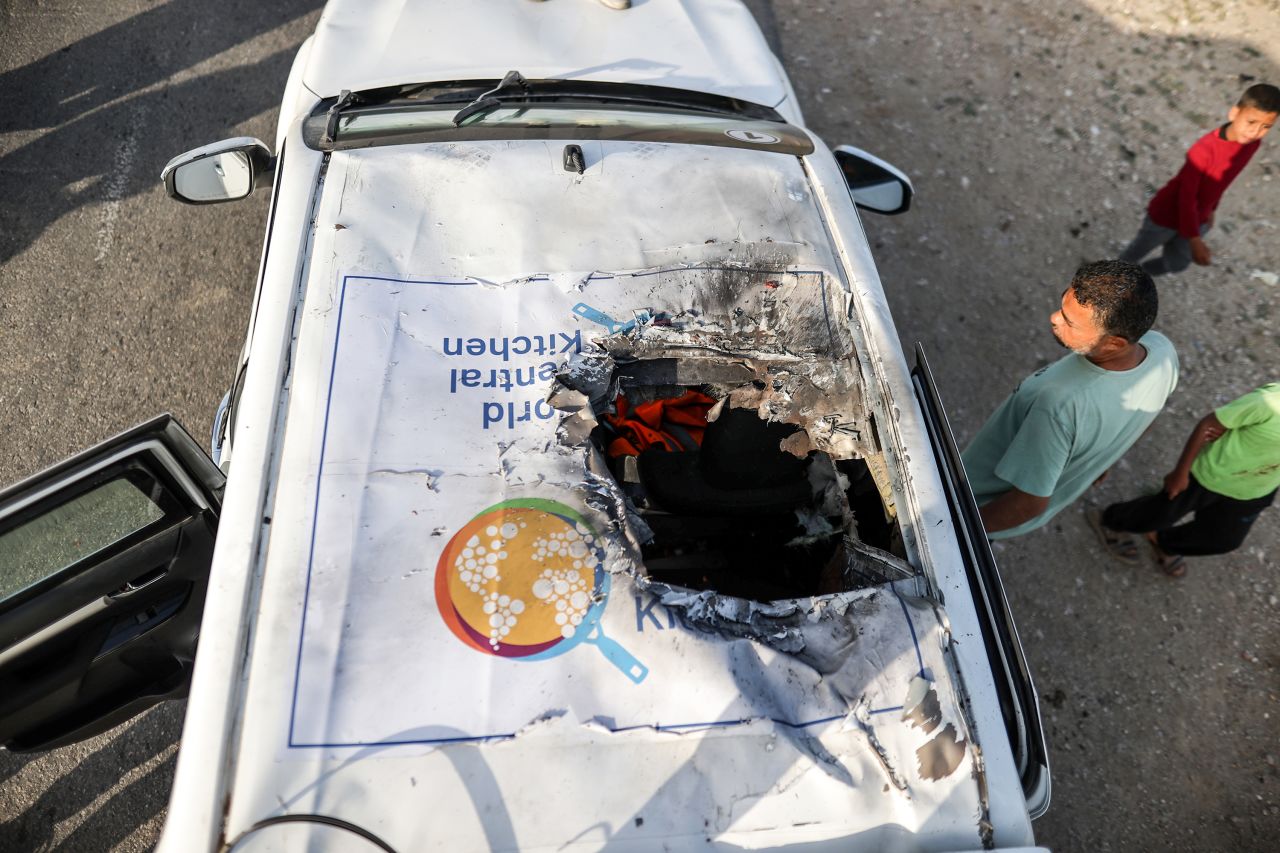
<point x="525" y="579"/>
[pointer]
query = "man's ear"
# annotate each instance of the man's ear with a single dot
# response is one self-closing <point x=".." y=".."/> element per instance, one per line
<point x="1110" y="345"/>
<point x="1233" y="112"/>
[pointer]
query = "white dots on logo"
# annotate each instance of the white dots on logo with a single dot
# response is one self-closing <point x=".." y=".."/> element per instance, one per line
<point x="565" y="583"/>
<point x="477" y="567"/>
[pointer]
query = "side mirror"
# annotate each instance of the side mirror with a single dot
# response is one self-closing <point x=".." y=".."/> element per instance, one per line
<point x="224" y="171"/>
<point x="874" y="184"/>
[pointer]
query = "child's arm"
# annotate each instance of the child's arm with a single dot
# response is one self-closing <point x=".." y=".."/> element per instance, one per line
<point x="1189" y="203"/>
<point x="1208" y="429"/>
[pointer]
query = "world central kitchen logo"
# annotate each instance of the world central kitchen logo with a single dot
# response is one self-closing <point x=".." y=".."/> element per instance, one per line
<point x="525" y="580"/>
<point x="542" y="355"/>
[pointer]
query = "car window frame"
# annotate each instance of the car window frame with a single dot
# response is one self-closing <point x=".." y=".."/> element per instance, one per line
<point x="1015" y="689"/>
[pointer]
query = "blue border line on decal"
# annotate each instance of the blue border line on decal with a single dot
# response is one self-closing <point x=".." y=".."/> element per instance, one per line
<point x="315" y="512"/>
<point x="661" y="728"/>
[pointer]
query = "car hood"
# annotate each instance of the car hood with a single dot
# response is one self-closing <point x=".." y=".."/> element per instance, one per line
<point x="709" y="46"/>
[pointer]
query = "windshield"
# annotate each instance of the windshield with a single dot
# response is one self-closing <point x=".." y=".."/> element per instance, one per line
<point x="568" y="122"/>
<point x="546" y="111"/>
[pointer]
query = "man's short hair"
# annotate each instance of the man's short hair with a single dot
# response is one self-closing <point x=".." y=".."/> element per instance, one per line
<point x="1122" y="296"/>
<point x="1261" y="96"/>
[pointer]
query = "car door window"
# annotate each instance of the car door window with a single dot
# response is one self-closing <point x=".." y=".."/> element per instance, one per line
<point x="67" y="534"/>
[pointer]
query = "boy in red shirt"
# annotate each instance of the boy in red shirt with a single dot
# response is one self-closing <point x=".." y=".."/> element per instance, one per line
<point x="1181" y="213"/>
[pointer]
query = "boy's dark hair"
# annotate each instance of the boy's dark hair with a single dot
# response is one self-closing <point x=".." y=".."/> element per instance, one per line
<point x="1261" y="96"/>
<point x="1122" y="296"/>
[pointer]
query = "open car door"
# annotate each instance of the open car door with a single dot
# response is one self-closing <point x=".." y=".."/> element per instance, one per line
<point x="104" y="562"/>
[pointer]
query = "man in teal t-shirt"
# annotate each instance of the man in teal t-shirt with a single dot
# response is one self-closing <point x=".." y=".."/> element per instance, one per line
<point x="1227" y="475"/>
<point x="1068" y="423"/>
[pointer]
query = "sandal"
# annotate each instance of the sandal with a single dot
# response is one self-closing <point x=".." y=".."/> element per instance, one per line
<point x="1171" y="564"/>
<point x="1121" y="546"/>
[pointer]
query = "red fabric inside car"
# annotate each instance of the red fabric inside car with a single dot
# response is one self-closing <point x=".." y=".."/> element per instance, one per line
<point x="673" y="424"/>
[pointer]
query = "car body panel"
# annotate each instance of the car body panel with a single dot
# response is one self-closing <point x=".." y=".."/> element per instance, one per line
<point x="236" y="720"/>
<point x="349" y="713"/>
<point x="210" y="731"/>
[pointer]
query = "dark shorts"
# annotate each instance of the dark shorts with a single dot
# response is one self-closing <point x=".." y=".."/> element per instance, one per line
<point x="1175" y="255"/>
<point x="1218" y="524"/>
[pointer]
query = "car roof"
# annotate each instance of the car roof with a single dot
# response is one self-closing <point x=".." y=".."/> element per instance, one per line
<point x="709" y="46"/>
<point x="438" y="287"/>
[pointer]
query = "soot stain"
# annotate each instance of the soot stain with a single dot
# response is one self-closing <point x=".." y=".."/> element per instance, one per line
<point x="928" y="714"/>
<point x="941" y="756"/>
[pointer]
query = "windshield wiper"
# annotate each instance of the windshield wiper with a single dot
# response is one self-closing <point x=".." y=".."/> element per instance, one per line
<point x="489" y="101"/>
<point x="346" y="98"/>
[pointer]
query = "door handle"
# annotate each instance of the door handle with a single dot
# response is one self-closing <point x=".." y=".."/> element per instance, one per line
<point x="140" y="582"/>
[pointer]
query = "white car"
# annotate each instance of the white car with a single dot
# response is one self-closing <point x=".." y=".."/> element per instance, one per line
<point x="577" y="493"/>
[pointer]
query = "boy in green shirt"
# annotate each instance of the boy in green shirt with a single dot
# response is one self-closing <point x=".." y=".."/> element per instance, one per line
<point x="1228" y="473"/>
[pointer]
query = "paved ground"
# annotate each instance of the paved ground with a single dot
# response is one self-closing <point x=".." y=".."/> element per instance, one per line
<point x="1034" y="131"/>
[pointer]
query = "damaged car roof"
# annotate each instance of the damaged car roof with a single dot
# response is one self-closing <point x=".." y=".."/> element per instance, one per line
<point x="453" y="588"/>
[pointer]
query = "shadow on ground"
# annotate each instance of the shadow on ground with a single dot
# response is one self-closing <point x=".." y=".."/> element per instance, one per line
<point x="111" y="120"/>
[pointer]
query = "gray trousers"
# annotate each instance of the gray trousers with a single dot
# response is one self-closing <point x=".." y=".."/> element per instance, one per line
<point x="1176" y="256"/>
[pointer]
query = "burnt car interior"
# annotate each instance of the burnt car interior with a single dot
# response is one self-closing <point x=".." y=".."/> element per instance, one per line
<point x="737" y="503"/>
